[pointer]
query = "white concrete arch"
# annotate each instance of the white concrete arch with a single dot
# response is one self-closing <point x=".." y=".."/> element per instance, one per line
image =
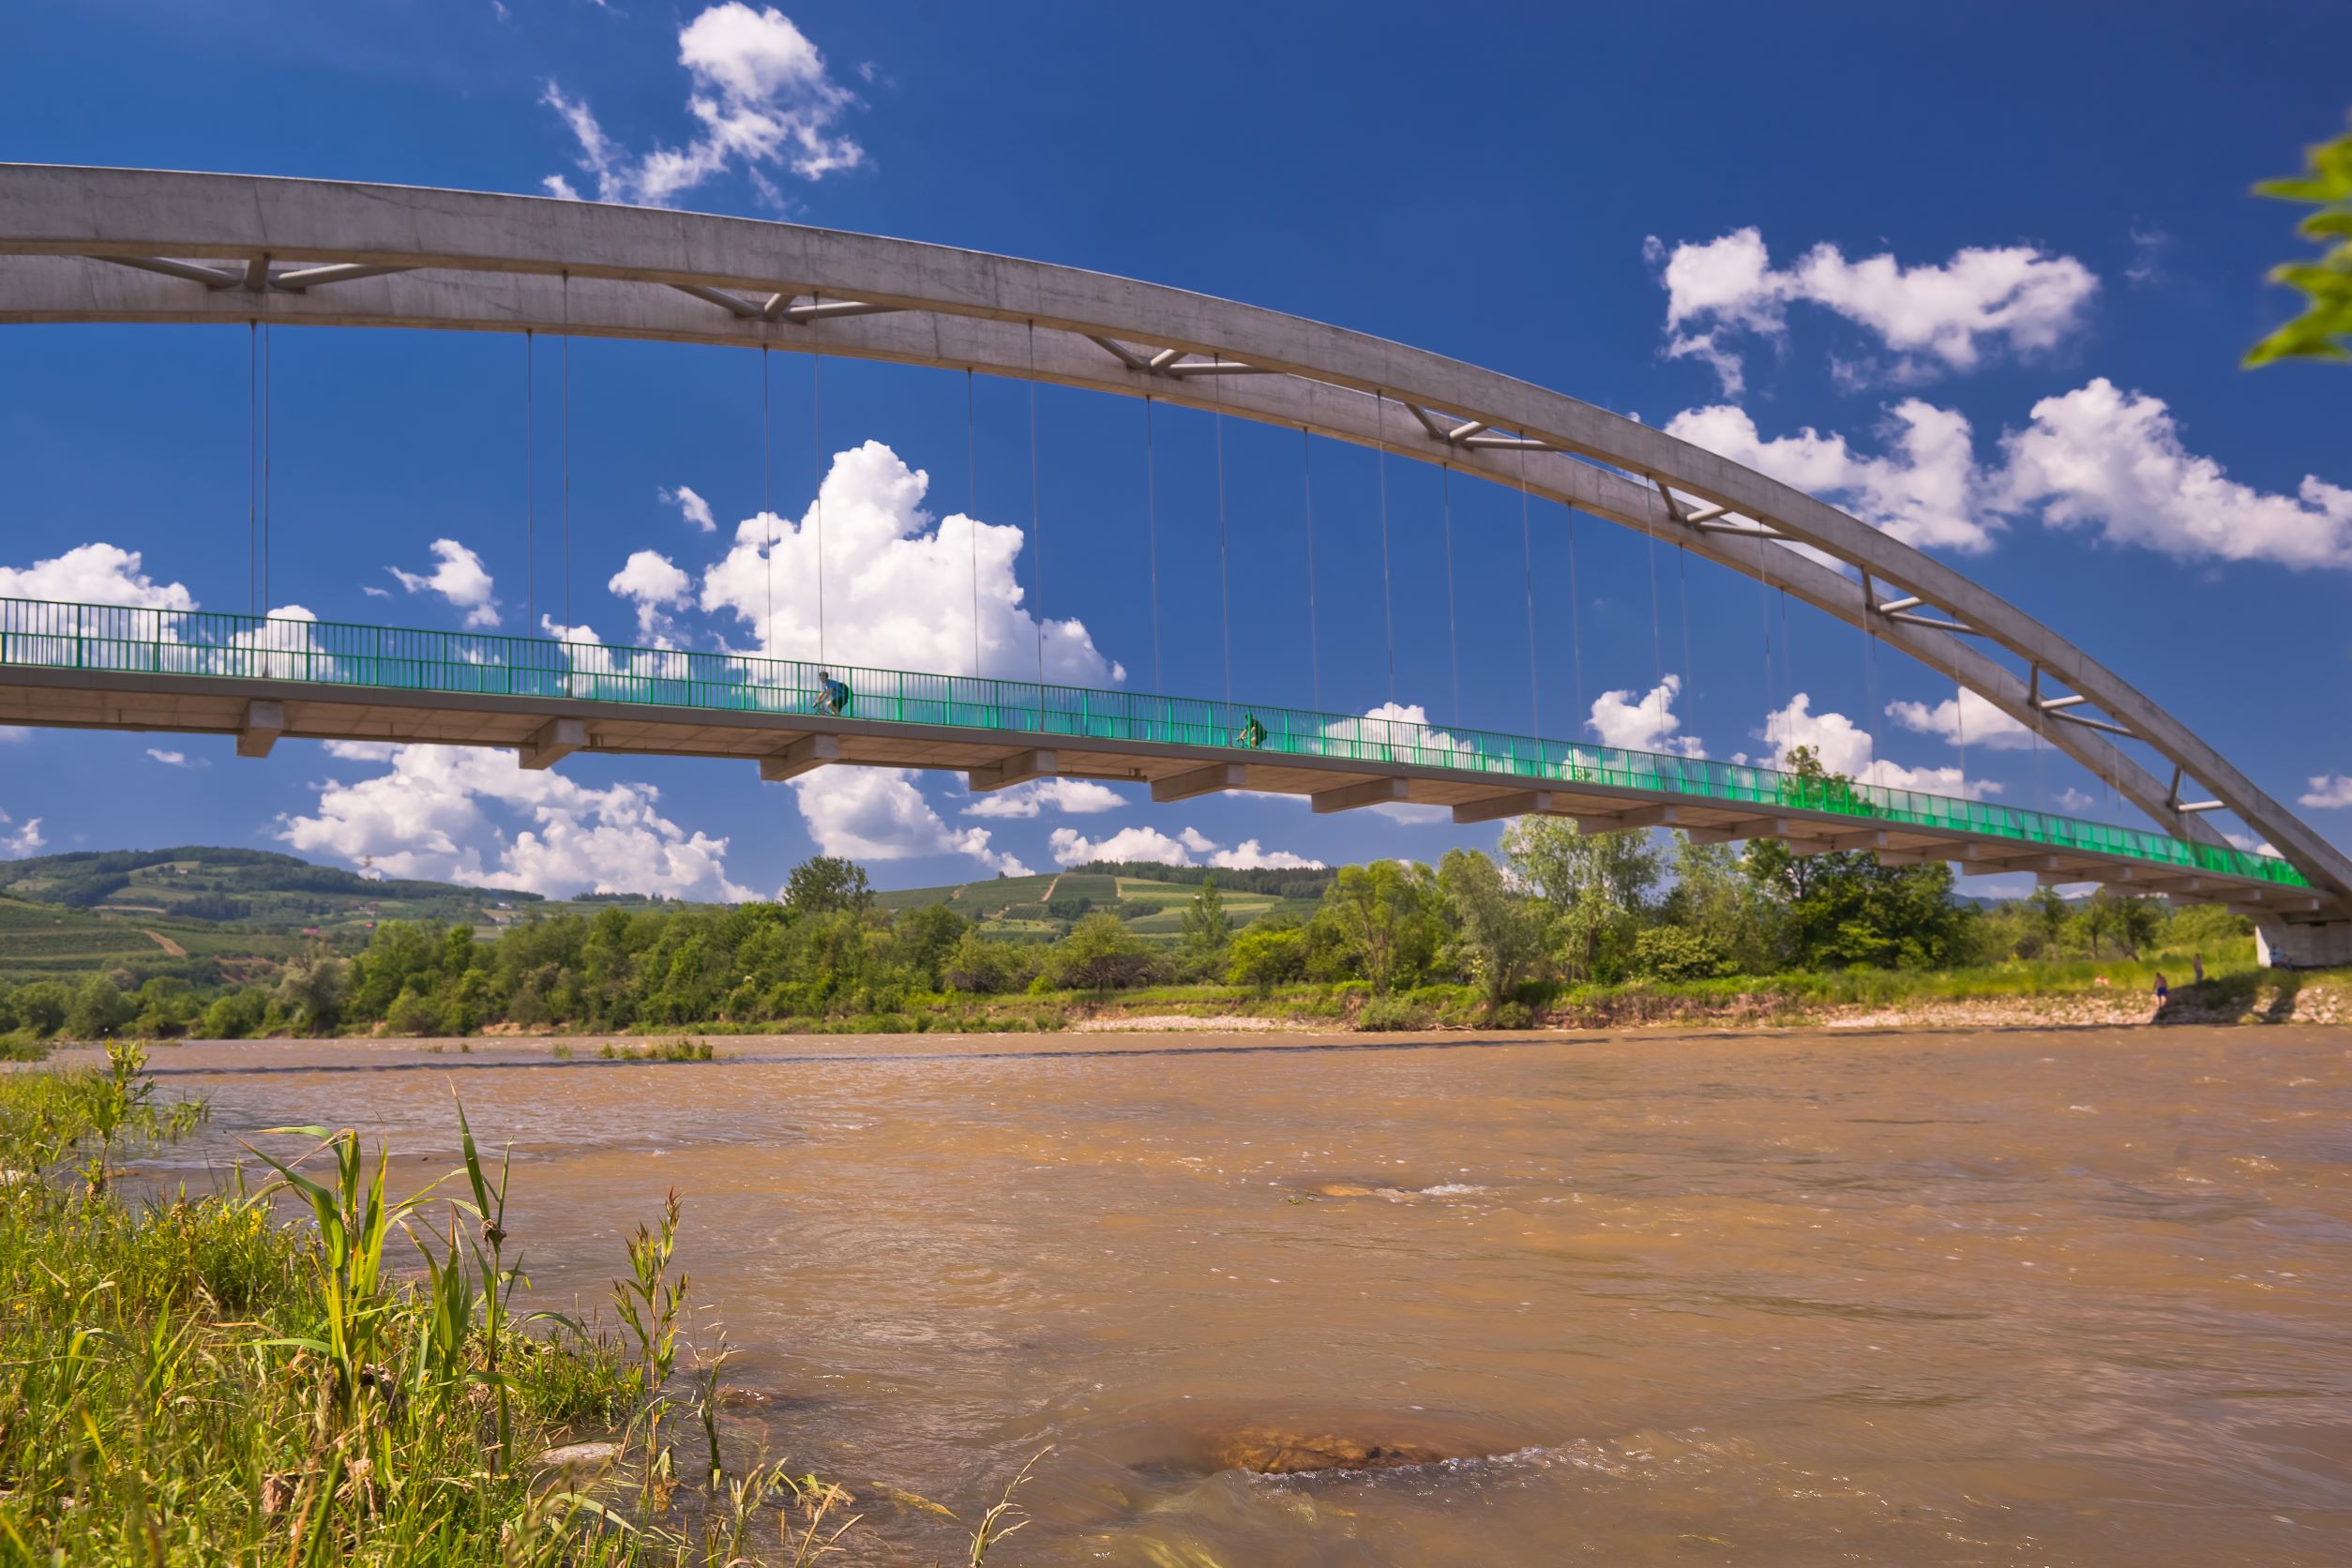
<point x="92" y="245"/>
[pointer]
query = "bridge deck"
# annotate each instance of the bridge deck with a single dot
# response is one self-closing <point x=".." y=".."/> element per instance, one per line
<point x="204" y="673"/>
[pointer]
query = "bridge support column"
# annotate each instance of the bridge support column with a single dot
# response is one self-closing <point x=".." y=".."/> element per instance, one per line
<point x="1213" y="780"/>
<point x="264" y="723"/>
<point x="552" y="742"/>
<point x="805" y="755"/>
<point x="1018" y="768"/>
<point x="1348" y="797"/>
<point x="2284" y="945"/>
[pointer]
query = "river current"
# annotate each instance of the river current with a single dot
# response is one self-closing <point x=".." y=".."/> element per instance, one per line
<point x="2063" y="1297"/>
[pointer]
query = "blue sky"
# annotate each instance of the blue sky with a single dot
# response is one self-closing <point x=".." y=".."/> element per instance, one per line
<point x="1982" y="274"/>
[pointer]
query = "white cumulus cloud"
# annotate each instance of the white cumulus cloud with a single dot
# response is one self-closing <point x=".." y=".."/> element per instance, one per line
<point x="1644" y="723"/>
<point x="19" y="840"/>
<point x="1845" y="747"/>
<point x="96" y="573"/>
<point x="898" y="592"/>
<point x="2326" y="790"/>
<point x="653" y="583"/>
<point x="878" y="814"/>
<point x="459" y="579"/>
<point x="1966" y="720"/>
<point x="691" y="506"/>
<point x="1925" y="489"/>
<point x="1150" y="844"/>
<point x="174" y="759"/>
<point x="471" y="816"/>
<point x="1931" y="318"/>
<point x="2113" y="461"/>
<point x="1080" y="797"/>
<point x="760" y="98"/>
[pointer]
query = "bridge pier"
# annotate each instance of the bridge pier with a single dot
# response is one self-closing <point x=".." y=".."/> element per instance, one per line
<point x="2319" y="945"/>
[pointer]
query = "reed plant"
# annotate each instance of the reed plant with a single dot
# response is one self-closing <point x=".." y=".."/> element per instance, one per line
<point x="212" y="1378"/>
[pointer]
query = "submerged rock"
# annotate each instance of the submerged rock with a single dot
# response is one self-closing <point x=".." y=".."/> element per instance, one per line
<point x="1273" y="1450"/>
<point x="581" y="1455"/>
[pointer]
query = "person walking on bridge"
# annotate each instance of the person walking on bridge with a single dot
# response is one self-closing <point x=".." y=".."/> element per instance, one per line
<point x="832" y="696"/>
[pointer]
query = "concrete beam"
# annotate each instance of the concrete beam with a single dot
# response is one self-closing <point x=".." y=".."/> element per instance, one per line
<point x="1632" y="820"/>
<point x="1213" y="780"/>
<point x="805" y="755"/>
<point x="1348" y="797"/>
<point x="1018" y="768"/>
<point x="1754" y="827"/>
<point x="552" y="742"/>
<point x="264" y="723"/>
<point x="1905" y="857"/>
<point x="1523" y="802"/>
<point x="1874" y="838"/>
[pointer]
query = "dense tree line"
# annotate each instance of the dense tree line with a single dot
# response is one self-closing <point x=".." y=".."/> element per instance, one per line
<point x="1554" y="907"/>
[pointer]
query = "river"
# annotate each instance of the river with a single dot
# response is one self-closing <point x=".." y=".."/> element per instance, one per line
<point x="2048" y="1297"/>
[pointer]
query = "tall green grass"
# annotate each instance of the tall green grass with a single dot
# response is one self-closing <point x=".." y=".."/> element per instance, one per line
<point x="203" y="1379"/>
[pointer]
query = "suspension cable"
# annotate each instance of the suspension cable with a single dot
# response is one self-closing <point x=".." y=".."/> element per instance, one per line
<point x="1960" y="729"/>
<point x="1764" y="603"/>
<point x="1787" y="651"/>
<point x="252" y="466"/>
<point x="1575" y="613"/>
<point x="269" y="388"/>
<point x="972" y="515"/>
<point x="567" y="446"/>
<point x="1313" y="635"/>
<point x="1690" y="666"/>
<point x="1527" y="563"/>
<point x="1225" y="588"/>
<point x="1151" y="525"/>
<point x="1388" y="600"/>
<point x="1657" y="637"/>
<point x="817" y="459"/>
<point x="1036" y="520"/>
<point x="530" y="486"/>
<point x="1870" y="693"/>
<point x="1453" y="638"/>
<point x="767" y="506"/>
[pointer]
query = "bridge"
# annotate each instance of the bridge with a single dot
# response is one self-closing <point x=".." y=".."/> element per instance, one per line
<point x="141" y="245"/>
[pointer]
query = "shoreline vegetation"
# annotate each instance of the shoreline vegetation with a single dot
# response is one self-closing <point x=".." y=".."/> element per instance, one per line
<point x="1557" y="929"/>
<point x="319" y="1369"/>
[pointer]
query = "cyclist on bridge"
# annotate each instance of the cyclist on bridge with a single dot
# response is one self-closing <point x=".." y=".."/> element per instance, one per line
<point x="832" y="696"/>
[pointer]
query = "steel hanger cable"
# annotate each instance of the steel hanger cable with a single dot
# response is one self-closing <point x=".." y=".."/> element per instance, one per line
<point x="1388" y="600"/>
<point x="817" y="459"/>
<point x="1453" y="638"/>
<point x="1314" y="634"/>
<point x="767" y="506"/>
<point x="972" y="515"/>
<point x="1151" y="525"/>
<point x="530" y="485"/>
<point x="1036" y="516"/>
<point x="1575" y="612"/>
<point x="1225" y="592"/>
<point x="567" y="448"/>
<point x="1527" y="565"/>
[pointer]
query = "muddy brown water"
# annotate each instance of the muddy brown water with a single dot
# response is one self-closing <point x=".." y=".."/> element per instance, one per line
<point x="2019" y="1297"/>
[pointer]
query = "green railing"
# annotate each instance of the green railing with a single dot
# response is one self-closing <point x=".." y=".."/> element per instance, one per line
<point x="325" y="652"/>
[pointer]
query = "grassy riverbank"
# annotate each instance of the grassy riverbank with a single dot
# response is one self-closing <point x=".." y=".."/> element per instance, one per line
<point x="197" y="1378"/>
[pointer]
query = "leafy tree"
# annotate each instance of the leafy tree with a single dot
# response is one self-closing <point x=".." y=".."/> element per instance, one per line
<point x="1265" y="955"/>
<point x="925" y="936"/>
<point x="1379" y="915"/>
<point x="1679" y="953"/>
<point x="311" y="994"/>
<point x="2045" y="921"/>
<point x="1101" y="954"/>
<point x="1501" y="932"/>
<point x="2094" y="920"/>
<point x="2324" y="330"/>
<point x="2136" y="920"/>
<point x="1732" y="917"/>
<point x="100" y="1008"/>
<point x="824" y="884"/>
<point x="1599" y="886"/>
<point x="1206" y="926"/>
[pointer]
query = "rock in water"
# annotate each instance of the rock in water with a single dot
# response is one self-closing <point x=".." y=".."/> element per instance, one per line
<point x="581" y="1455"/>
<point x="1270" y="1451"/>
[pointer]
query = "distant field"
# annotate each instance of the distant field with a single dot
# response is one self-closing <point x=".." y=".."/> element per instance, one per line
<point x="42" y="941"/>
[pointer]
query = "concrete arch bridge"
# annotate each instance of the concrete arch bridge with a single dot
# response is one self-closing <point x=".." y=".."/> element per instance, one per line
<point x="144" y="245"/>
